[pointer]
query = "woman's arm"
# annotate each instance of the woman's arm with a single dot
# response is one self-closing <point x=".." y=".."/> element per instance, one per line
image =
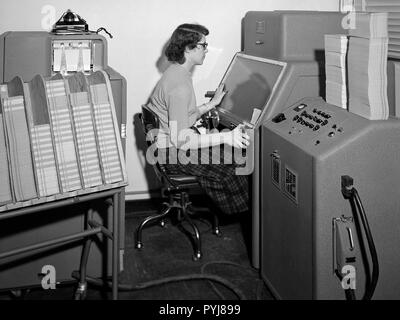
<point x="238" y="138"/>
<point x="216" y="100"/>
<point x="185" y="138"/>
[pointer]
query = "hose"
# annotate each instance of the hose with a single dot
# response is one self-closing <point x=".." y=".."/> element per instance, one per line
<point x="374" y="256"/>
<point x="351" y="193"/>
<point x="203" y="267"/>
<point x="145" y="285"/>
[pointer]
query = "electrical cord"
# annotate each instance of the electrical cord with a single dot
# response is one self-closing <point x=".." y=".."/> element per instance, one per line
<point x="105" y="30"/>
<point x="145" y="285"/>
<point x="79" y="30"/>
<point x="204" y="266"/>
<point x="374" y="256"/>
<point x="351" y="193"/>
<point x="349" y="293"/>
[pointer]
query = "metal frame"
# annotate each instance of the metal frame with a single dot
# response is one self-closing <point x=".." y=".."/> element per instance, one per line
<point x="91" y="229"/>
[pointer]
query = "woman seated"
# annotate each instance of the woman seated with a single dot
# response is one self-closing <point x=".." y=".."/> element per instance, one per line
<point x="210" y="156"/>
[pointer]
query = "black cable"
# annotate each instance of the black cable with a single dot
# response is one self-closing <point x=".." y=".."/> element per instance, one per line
<point x="77" y="30"/>
<point x="349" y="293"/>
<point x="351" y="193"/>
<point x="374" y="256"/>
<point x="105" y="30"/>
<point x="203" y="267"/>
<point x="145" y="285"/>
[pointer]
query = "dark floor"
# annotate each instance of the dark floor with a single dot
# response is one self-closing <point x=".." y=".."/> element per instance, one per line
<point x="164" y="269"/>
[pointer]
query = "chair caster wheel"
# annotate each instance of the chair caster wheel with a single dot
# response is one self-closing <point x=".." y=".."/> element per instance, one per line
<point x="139" y="245"/>
<point x="197" y="256"/>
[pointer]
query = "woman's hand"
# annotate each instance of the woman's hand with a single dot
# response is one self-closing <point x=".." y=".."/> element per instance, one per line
<point x="218" y="96"/>
<point x="238" y="137"/>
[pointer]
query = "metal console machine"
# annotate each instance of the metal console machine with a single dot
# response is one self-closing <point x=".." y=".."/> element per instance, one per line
<point x="282" y="62"/>
<point x="27" y="54"/>
<point x="306" y="149"/>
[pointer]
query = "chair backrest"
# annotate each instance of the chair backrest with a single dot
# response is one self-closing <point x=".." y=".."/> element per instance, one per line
<point x="150" y="124"/>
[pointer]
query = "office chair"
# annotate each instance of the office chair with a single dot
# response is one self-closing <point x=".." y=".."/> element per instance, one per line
<point x="176" y="187"/>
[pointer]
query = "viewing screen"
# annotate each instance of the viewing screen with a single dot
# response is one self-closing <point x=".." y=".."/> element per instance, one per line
<point x="249" y="82"/>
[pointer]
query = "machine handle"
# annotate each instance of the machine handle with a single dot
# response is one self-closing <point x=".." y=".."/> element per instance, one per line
<point x="259" y="42"/>
<point x="350" y="234"/>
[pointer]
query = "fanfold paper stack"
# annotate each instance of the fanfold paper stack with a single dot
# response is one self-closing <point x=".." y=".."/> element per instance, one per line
<point x="367" y="66"/>
<point x="111" y="162"/>
<point x="392" y="8"/>
<point x="86" y="139"/>
<point x="20" y="156"/>
<point x="5" y="188"/>
<point x="370" y="25"/>
<point x="335" y="69"/>
<point x="63" y="135"/>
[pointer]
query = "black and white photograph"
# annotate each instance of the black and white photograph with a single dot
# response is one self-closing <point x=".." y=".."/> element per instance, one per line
<point x="201" y="159"/>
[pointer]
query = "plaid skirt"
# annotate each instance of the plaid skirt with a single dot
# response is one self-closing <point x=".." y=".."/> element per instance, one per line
<point x="215" y="169"/>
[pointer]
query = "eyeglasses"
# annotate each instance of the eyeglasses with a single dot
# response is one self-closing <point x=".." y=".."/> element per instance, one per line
<point x="204" y="45"/>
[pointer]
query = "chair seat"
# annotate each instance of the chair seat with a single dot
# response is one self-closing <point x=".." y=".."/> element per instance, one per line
<point x="184" y="179"/>
<point x="179" y="179"/>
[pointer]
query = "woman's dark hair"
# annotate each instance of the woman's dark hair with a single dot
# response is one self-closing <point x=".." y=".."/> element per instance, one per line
<point x="186" y="35"/>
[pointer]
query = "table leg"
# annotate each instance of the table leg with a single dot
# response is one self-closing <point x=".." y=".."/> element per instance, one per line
<point x="115" y="251"/>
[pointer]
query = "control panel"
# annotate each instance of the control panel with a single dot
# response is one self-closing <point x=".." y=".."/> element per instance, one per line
<point x="314" y="122"/>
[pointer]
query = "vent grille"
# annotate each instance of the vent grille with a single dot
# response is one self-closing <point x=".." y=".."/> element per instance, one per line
<point x="276" y="171"/>
<point x="260" y="27"/>
<point x="291" y="184"/>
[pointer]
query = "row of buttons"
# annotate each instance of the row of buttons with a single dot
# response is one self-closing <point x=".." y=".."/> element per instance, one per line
<point x="300" y="120"/>
<point x="321" y="113"/>
<point x="314" y="118"/>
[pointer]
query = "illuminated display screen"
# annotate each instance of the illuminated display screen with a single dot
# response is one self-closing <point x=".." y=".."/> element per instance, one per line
<point x="249" y="82"/>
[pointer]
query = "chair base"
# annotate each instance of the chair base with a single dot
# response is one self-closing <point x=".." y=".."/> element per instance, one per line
<point x="183" y="207"/>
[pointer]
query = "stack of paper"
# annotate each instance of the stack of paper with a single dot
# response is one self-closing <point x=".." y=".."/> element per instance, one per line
<point x="63" y="136"/>
<point x="392" y="8"/>
<point x="20" y="157"/>
<point x="5" y="187"/>
<point x="370" y="25"/>
<point x="106" y="133"/>
<point x="86" y="139"/>
<point x="335" y="69"/>
<point x="367" y="66"/>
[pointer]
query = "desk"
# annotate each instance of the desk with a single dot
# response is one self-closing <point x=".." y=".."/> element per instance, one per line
<point x="114" y="193"/>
